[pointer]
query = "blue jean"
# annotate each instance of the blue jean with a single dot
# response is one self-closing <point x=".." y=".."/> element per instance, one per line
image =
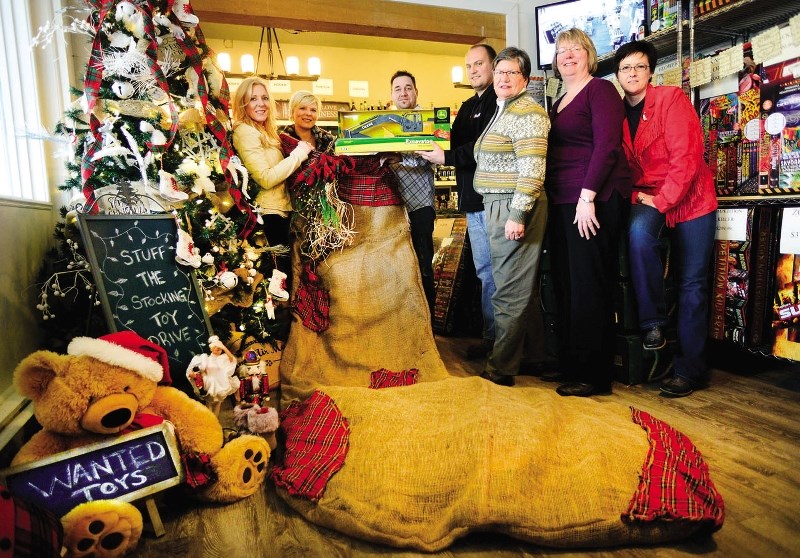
<point x="482" y="258"/>
<point x="692" y="245"/>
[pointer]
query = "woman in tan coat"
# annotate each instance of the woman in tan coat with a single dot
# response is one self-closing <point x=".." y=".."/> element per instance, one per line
<point x="255" y="138"/>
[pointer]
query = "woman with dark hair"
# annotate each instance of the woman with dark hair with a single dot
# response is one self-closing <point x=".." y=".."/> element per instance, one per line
<point x="672" y="187"/>
<point x="588" y="187"/>
<point x="510" y="157"/>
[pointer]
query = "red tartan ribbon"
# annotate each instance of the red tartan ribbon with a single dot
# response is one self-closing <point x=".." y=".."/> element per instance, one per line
<point x="383" y="378"/>
<point x="317" y="442"/>
<point x="198" y="469"/>
<point x="312" y="301"/>
<point x="319" y="168"/>
<point x="674" y="484"/>
<point x="28" y="530"/>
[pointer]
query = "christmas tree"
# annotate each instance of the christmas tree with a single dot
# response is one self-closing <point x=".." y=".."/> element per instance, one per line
<point x="149" y="134"/>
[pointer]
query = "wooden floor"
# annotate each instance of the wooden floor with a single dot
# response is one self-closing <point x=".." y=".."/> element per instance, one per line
<point x="747" y="425"/>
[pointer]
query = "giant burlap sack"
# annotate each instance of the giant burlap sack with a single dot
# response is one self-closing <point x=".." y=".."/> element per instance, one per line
<point x="432" y="462"/>
<point x="378" y="314"/>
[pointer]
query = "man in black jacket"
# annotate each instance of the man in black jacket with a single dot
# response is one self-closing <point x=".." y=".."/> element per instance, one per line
<point x="470" y="122"/>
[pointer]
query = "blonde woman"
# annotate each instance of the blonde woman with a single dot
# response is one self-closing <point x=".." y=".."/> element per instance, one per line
<point x="255" y="138"/>
<point x="304" y="108"/>
<point x="588" y="185"/>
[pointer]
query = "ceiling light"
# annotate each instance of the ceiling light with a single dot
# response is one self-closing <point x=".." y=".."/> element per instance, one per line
<point x="314" y="66"/>
<point x="292" y="65"/>
<point x="457" y="74"/>
<point x="224" y="61"/>
<point x="248" y="64"/>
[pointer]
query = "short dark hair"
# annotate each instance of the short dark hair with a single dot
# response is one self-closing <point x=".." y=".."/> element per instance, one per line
<point x="401" y="73"/>
<point x="634" y="47"/>
<point x="517" y="55"/>
<point x="488" y="48"/>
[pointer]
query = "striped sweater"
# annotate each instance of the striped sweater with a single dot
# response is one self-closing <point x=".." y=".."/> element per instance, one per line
<point x="511" y="154"/>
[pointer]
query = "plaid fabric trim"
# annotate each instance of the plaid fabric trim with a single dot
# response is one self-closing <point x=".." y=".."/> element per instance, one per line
<point x="384" y="378"/>
<point x="317" y="442"/>
<point x="27" y="530"/>
<point x="198" y="469"/>
<point x="375" y="189"/>
<point x="360" y="180"/>
<point x="312" y="301"/>
<point x="318" y="169"/>
<point x="674" y="484"/>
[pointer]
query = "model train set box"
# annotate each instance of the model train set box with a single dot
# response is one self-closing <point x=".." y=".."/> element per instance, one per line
<point x="362" y="132"/>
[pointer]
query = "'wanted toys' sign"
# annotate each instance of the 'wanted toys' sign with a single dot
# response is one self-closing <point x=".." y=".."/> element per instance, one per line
<point x="126" y="468"/>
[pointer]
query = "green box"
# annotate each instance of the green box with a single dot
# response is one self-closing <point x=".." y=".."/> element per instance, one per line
<point x="362" y="132"/>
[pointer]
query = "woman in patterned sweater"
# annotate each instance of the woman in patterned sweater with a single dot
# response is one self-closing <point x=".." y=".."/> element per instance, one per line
<point x="510" y="175"/>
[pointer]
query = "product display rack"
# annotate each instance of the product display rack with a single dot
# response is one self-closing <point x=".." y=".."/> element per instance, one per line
<point x="736" y="21"/>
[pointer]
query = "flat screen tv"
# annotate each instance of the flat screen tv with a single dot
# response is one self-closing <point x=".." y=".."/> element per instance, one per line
<point x="609" y="23"/>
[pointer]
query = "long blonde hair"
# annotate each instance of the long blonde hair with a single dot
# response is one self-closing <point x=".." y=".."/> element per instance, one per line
<point x="240" y="101"/>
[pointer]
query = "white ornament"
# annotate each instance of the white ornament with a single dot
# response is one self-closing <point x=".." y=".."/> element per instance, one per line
<point x="182" y="10"/>
<point x="157" y="137"/>
<point x="122" y="89"/>
<point x="207" y="259"/>
<point x="186" y="253"/>
<point x="168" y="187"/>
<point x="120" y="39"/>
<point x="228" y="279"/>
<point x="131" y="19"/>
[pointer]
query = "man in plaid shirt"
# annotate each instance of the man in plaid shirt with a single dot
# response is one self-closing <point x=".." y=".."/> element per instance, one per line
<point x="415" y="179"/>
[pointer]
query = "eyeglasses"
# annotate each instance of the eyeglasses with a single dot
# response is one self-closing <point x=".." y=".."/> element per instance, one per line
<point x="627" y="68"/>
<point x="509" y="73"/>
<point x="574" y="50"/>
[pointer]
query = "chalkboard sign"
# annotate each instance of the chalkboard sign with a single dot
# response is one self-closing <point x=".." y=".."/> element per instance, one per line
<point x="143" y="289"/>
<point x="125" y="468"/>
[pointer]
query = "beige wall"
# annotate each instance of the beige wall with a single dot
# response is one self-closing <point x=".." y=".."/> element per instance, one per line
<point x="432" y="71"/>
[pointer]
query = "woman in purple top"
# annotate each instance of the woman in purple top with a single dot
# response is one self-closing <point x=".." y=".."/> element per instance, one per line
<point x="588" y="185"/>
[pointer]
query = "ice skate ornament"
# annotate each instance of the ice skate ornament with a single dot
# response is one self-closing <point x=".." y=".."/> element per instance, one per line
<point x="277" y="285"/>
<point x="183" y="11"/>
<point x="168" y="187"/>
<point x="186" y="252"/>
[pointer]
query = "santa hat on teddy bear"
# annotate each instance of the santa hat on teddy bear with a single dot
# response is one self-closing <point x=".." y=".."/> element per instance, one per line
<point x="128" y="350"/>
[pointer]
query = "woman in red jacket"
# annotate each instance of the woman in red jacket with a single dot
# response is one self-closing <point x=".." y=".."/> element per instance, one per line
<point x="673" y="187"/>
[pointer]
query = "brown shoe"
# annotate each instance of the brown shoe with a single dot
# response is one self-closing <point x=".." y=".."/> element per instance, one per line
<point x="480" y="349"/>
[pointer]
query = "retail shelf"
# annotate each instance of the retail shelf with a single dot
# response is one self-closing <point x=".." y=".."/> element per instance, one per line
<point x="733" y="201"/>
<point x="732" y="23"/>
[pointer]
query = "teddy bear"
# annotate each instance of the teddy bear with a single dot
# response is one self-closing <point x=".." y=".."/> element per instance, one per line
<point x="105" y="386"/>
